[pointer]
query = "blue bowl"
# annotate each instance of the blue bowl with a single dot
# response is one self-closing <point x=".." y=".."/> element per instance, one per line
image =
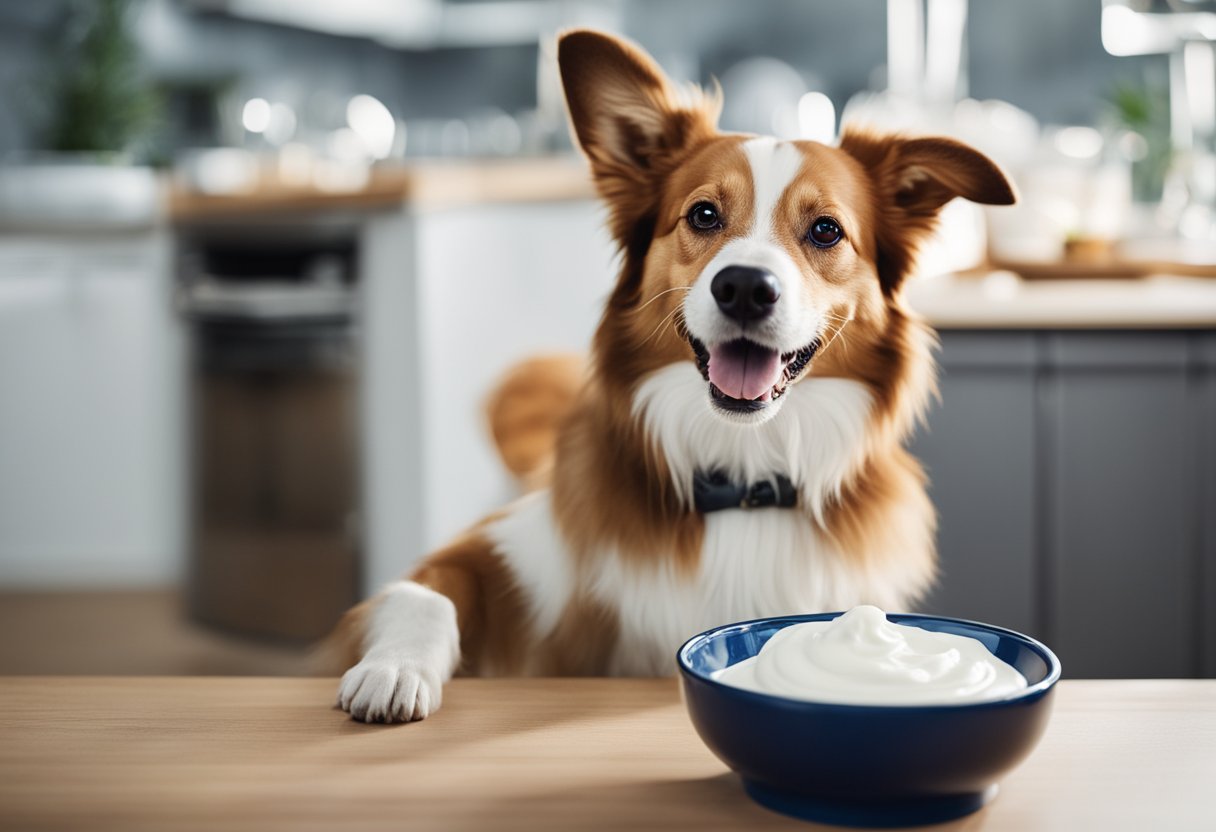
<point x="866" y="765"/>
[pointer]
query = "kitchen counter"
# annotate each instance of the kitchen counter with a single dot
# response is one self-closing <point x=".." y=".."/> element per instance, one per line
<point x="424" y="185"/>
<point x="195" y="753"/>
<point x="1002" y="300"/>
<point x="996" y="300"/>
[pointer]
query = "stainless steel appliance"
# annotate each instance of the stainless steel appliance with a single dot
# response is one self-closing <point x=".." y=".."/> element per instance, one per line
<point x="275" y="504"/>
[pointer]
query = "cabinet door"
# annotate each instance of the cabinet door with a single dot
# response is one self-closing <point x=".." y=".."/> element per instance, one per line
<point x="89" y="457"/>
<point x="1205" y="425"/>
<point x="451" y="300"/>
<point x="540" y="274"/>
<point x="979" y="451"/>
<point x="36" y="405"/>
<point x="1121" y="470"/>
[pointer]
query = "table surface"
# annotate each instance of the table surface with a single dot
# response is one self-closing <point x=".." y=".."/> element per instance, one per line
<point x="526" y="754"/>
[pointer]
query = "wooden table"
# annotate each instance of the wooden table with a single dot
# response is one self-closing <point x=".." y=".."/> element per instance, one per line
<point x="211" y="753"/>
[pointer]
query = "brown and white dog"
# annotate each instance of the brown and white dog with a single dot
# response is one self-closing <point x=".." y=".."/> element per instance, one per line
<point x="755" y="346"/>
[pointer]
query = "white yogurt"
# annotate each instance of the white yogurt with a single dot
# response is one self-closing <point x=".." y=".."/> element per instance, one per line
<point x="860" y="658"/>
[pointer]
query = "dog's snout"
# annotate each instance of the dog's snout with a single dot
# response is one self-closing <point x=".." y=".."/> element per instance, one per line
<point x="745" y="293"/>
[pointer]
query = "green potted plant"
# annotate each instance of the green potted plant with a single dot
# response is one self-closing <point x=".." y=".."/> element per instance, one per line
<point x="102" y="114"/>
<point x="103" y="105"/>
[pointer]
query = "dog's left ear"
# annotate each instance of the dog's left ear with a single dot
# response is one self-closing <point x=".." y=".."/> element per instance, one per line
<point x="633" y="123"/>
<point x="913" y="179"/>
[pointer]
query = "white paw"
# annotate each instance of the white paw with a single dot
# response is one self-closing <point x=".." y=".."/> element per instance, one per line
<point x="390" y="690"/>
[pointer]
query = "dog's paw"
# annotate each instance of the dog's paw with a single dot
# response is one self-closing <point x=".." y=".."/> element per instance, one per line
<point x="388" y="690"/>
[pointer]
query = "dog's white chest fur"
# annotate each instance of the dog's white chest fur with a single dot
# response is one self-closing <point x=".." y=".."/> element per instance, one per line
<point x="754" y="562"/>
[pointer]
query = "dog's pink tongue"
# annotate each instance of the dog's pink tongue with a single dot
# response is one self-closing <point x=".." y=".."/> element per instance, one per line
<point x="743" y="370"/>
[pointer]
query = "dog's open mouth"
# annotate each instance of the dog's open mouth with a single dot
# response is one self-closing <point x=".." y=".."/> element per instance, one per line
<point x="745" y="376"/>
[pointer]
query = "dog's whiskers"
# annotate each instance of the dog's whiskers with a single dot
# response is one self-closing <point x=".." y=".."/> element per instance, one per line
<point x="662" y="324"/>
<point x="685" y="289"/>
<point x="837" y="332"/>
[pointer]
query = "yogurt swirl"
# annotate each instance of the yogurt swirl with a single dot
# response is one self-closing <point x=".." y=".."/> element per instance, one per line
<point x="860" y="658"/>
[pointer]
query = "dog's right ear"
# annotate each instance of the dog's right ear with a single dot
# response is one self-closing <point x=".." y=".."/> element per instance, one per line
<point x="631" y="121"/>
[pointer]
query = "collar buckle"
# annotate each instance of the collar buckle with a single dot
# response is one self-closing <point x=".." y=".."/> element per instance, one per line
<point x="714" y="491"/>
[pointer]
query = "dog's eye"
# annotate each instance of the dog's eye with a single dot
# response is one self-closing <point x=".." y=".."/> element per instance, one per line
<point x="704" y="217"/>
<point x="825" y="232"/>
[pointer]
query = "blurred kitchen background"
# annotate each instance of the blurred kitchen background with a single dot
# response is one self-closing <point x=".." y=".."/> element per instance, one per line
<point x="261" y="261"/>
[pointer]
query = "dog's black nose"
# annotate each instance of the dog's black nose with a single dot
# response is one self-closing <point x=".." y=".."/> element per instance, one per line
<point x="745" y="293"/>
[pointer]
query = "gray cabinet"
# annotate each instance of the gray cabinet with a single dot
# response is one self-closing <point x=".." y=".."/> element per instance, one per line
<point x="1073" y="474"/>
<point x="1205" y="394"/>
<point x="1120" y="481"/>
<point x="979" y="452"/>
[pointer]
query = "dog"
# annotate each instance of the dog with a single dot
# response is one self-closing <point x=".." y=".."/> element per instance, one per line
<point x="736" y="449"/>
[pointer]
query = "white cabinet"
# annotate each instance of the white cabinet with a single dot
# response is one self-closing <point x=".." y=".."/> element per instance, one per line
<point x="451" y="300"/>
<point x="90" y="410"/>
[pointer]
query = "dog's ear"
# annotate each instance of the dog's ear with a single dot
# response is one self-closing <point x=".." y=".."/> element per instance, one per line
<point x="912" y="179"/>
<point x="632" y="122"/>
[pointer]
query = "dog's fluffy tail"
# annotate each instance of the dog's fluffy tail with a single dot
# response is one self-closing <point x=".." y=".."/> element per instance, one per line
<point x="527" y="409"/>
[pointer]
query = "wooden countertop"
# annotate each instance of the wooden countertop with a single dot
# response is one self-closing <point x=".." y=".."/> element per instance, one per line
<point x="210" y="753"/>
<point x="1002" y="300"/>
<point x="431" y="185"/>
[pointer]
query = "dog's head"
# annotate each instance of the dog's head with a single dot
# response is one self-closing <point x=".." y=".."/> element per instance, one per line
<point x="747" y="254"/>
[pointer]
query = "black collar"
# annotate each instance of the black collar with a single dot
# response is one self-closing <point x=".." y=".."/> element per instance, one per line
<point x="714" y="491"/>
